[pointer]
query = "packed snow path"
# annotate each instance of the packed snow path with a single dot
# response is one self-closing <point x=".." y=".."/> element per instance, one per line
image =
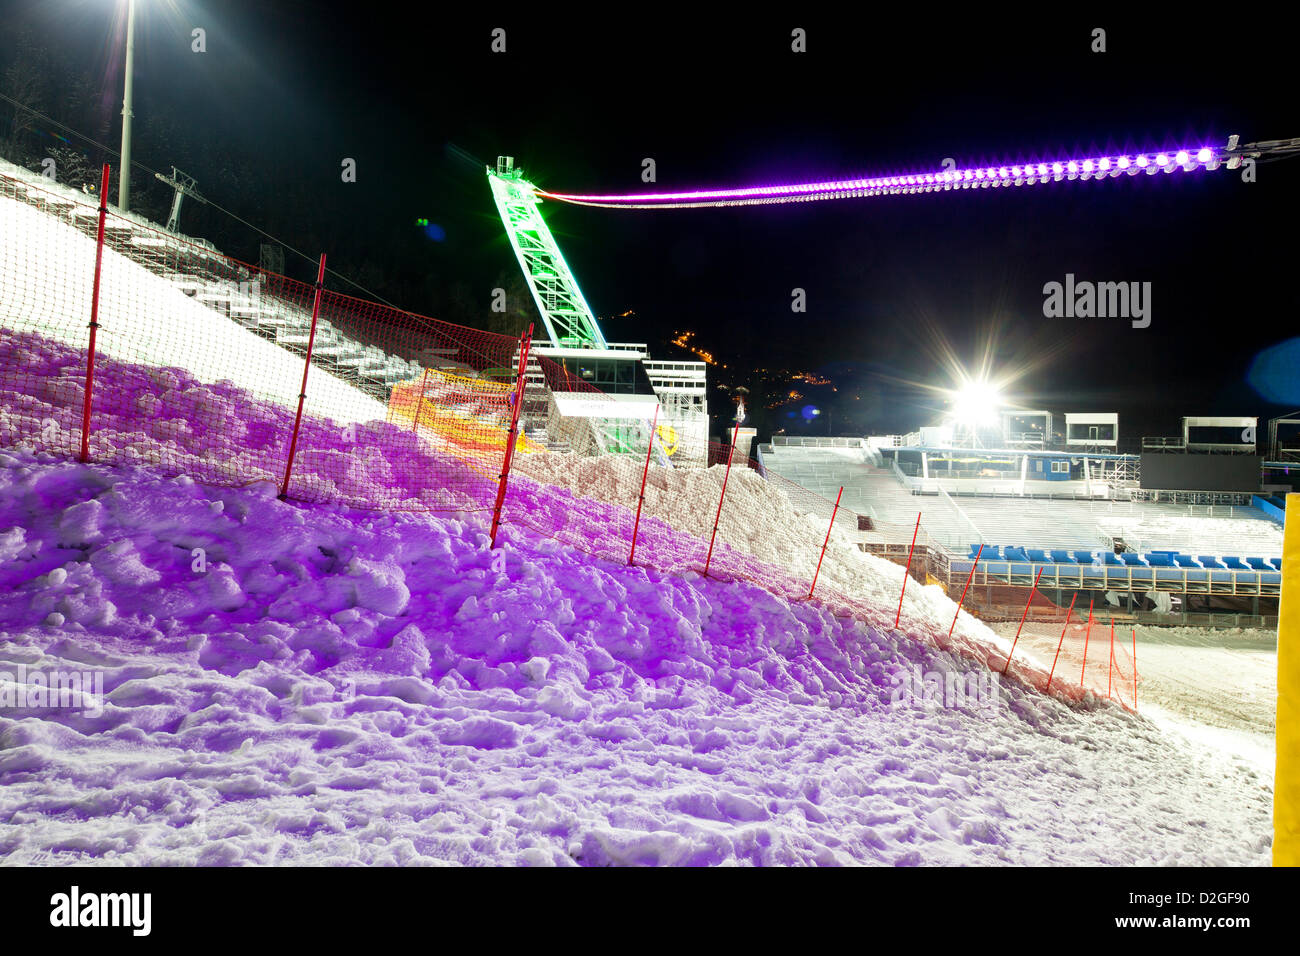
<point x="328" y="687"/>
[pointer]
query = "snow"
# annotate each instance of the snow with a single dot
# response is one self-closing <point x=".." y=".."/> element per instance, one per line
<point x="47" y="271"/>
<point x="1201" y="534"/>
<point x="1216" y="687"/>
<point x="168" y="418"/>
<point x="296" y="682"/>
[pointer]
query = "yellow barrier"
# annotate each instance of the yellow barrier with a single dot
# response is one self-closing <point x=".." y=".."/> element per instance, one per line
<point x="478" y="431"/>
<point x="1286" y="783"/>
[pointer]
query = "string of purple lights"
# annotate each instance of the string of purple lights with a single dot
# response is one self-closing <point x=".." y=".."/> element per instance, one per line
<point x="1020" y="174"/>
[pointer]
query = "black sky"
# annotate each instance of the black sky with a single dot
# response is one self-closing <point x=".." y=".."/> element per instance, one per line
<point x="580" y="100"/>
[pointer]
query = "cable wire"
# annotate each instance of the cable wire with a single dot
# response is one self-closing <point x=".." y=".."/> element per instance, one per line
<point x="215" y="205"/>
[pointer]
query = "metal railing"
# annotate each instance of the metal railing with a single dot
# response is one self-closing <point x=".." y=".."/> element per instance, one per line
<point x="965" y="519"/>
<point x="1114" y="577"/>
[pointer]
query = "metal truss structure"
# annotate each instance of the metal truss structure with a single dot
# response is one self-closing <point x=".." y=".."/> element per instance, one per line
<point x="569" y="320"/>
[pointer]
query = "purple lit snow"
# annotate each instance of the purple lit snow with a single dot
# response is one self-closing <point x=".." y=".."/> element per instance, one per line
<point x="335" y="686"/>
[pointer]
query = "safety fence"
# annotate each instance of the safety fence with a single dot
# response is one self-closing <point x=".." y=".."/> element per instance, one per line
<point x="124" y="344"/>
<point x="1087" y="648"/>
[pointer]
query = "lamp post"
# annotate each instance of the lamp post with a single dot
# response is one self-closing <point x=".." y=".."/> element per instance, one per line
<point x="124" y="177"/>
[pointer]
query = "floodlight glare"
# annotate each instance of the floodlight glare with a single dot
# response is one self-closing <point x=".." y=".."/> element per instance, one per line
<point x="977" y="404"/>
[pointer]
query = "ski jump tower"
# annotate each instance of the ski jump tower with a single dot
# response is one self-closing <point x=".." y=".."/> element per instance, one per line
<point x="634" y="386"/>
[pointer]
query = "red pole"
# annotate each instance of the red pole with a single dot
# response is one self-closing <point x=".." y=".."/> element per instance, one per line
<point x="1060" y="643"/>
<point x="1110" y="669"/>
<point x="1022" y="621"/>
<point x="525" y="341"/>
<point x="969" y="577"/>
<point x="1135" y="670"/>
<point x="94" y="317"/>
<point x="718" y="516"/>
<point x="834" y="511"/>
<point x="306" y="365"/>
<point x="907" y="570"/>
<point x="419" y="401"/>
<point x="644" y="472"/>
<point x="1086" y="635"/>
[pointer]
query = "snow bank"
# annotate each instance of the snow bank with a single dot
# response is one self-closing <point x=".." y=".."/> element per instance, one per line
<point x="759" y="522"/>
<point x="166" y="418"/>
<point x="301" y="684"/>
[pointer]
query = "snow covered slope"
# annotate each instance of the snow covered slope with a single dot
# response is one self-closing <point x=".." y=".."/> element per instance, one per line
<point x="1216" y="686"/>
<point x="46" y="277"/>
<point x="285" y="682"/>
<point x="335" y="687"/>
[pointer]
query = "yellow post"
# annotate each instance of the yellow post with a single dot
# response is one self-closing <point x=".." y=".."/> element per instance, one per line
<point x="1286" y="784"/>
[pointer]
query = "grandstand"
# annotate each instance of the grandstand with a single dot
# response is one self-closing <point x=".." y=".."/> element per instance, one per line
<point x="193" y="268"/>
<point x="1110" y="536"/>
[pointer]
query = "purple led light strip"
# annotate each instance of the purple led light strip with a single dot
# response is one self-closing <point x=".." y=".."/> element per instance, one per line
<point x="1010" y="175"/>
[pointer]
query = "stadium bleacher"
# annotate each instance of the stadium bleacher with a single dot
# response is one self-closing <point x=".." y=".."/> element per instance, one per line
<point x="1158" y="537"/>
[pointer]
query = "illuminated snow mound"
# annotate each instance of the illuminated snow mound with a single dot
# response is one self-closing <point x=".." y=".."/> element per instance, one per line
<point x="281" y="683"/>
<point x="272" y="682"/>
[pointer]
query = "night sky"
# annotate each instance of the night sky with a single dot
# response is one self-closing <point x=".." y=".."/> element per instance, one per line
<point x="720" y="101"/>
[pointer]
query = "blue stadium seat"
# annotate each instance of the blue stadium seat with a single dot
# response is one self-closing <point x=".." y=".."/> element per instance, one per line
<point x="1209" y="561"/>
<point x="1132" y="560"/>
<point x="1063" y="557"/>
<point x="974" y="550"/>
<point x="1083" y="557"/>
<point x="1038" y="556"/>
<point x="1186" y="561"/>
<point x="1015" y="554"/>
<point x="1233" y="563"/>
<point x="1259" y="564"/>
<point x="1159" y="559"/>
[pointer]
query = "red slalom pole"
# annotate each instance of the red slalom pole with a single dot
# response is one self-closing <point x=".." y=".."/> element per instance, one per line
<point x="1022" y="621"/>
<point x="1135" y="670"/>
<point x="1086" y="635"/>
<point x="834" y="511"/>
<point x="718" y="516"/>
<point x="1110" y="670"/>
<point x="94" y="317"/>
<point x="1060" y="643"/>
<point x="525" y="341"/>
<point x="969" y="578"/>
<point x="907" y="570"/>
<point x="419" y="401"/>
<point x="306" y="366"/>
<point x="644" y="472"/>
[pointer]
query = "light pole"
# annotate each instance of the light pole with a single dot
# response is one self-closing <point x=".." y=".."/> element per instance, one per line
<point x="124" y="175"/>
